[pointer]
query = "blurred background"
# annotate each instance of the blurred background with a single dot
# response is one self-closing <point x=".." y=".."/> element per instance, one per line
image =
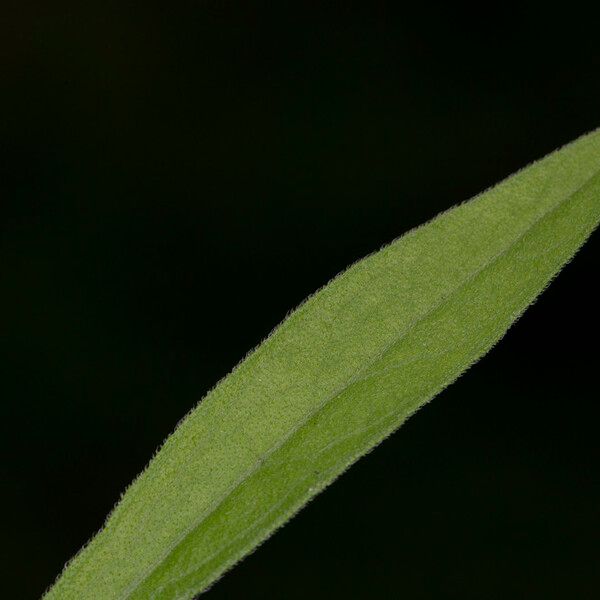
<point x="174" y="177"/>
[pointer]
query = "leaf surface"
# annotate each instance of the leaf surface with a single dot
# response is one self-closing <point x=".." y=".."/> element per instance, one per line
<point x="342" y="372"/>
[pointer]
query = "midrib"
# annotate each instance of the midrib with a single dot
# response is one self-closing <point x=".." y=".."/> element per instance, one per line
<point x="354" y="379"/>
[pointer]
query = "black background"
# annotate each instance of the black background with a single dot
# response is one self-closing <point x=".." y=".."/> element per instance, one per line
<point x="175" y="177"/>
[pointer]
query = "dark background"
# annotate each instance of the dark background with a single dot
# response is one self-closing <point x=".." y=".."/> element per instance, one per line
<point x="175" y="177"/>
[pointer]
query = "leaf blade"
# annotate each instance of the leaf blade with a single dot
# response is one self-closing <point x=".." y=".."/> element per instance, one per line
<point x="340" y="374"/>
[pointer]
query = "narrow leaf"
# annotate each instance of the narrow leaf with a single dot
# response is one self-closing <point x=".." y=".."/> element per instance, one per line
<point x="335" y="378"/>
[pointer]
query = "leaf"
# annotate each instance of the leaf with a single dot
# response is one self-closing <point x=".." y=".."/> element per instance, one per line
<point x="341" y="373"/>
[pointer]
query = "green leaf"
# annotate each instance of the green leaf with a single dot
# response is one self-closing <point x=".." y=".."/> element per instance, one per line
<point x="341" y="373"/>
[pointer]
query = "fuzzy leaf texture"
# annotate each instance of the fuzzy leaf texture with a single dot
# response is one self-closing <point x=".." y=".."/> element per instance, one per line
<point x="341" y="373"/>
